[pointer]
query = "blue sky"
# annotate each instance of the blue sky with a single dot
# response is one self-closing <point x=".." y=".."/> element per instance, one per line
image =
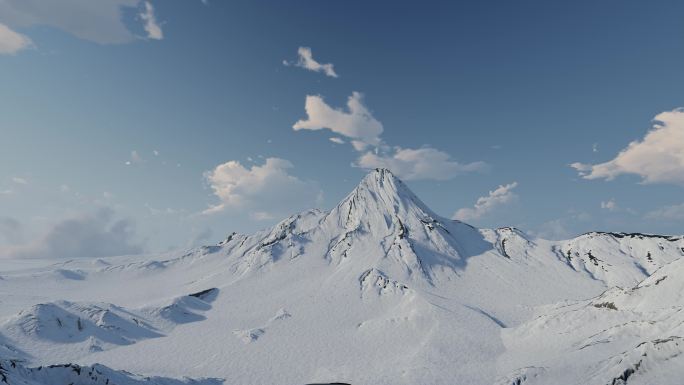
<point x="151" y="125"/>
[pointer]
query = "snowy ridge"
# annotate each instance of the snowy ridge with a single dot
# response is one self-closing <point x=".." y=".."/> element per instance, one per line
<point x="622" y="334"/>
<point x="13" y="372"/>
<point x="379" y="290"/>
<point x="73" y="330"/>
<point x="621" y="259"/>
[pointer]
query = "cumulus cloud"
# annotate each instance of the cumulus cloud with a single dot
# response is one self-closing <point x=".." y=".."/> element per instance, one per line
<point x="12" y="42"/>
<point x="356" y="123"/>
<point x="501" y="196"/>
<point x="151" y="25"/>
<point x="98" y="21"/>
<point x="415" y="164"/>
<point x="261" y="190"/>
<point x="99" y="234"/>
<point x="305" y="60"/>
<point x="363" y="132"/>
<point x="672" y="213"/>
<point x="657" y="158"/>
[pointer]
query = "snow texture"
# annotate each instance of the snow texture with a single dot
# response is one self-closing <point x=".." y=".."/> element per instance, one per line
<point x="378" y="290"/>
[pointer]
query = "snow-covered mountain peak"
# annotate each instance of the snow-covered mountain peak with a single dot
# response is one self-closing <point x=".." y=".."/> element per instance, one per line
<point x="381" y="190"/>
<point x="376" y="283"/>
<point x="381" y="197"/>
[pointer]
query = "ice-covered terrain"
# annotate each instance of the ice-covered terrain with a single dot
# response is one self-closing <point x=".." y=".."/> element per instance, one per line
<point x="379" y="290"/>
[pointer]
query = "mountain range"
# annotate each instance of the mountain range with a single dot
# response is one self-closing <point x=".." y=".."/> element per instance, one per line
<point x="378" y="290"/>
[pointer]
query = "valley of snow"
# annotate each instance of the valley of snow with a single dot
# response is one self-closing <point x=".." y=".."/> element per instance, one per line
<point x="379" y="290"/>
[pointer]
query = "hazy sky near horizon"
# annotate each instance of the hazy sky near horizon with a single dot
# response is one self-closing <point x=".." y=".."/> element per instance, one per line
<point x="141" y="126"/>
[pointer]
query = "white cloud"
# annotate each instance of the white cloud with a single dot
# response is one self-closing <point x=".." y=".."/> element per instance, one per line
<point x="12" y="42"/>
<point x="422" y="163"/>
<point x="484" y="205"/>
<point x="657" y="158"/>
<point x="99" y="21"/>
<point x="263" y="191"/>
<point x="88" y="236"/>
<point x="363" y="131"/>
<point x="305" y="60"/>
<point x="609" y="205"/>
<point x="19" y="180"/>
<point x="673" y="212"/>
<point x="358" y="123"/>
<point x="151" y="26"/>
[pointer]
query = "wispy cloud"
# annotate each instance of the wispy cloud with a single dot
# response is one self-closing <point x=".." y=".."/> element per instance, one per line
<point x="305" y="60"/>
<point x="671" y="213"/>
<point x="657" y="158"/>
<point x="421" y="163"/>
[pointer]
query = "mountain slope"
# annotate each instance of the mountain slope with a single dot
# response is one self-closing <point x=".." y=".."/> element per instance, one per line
<point x="379" y="290"/>
<point x="624" y="335"/>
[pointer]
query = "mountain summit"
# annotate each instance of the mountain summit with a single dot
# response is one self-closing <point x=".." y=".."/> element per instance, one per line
<point x="380" y="192"/>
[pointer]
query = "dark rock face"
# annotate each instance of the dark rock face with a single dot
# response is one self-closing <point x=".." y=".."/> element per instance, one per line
<point x="207" y="295"/>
